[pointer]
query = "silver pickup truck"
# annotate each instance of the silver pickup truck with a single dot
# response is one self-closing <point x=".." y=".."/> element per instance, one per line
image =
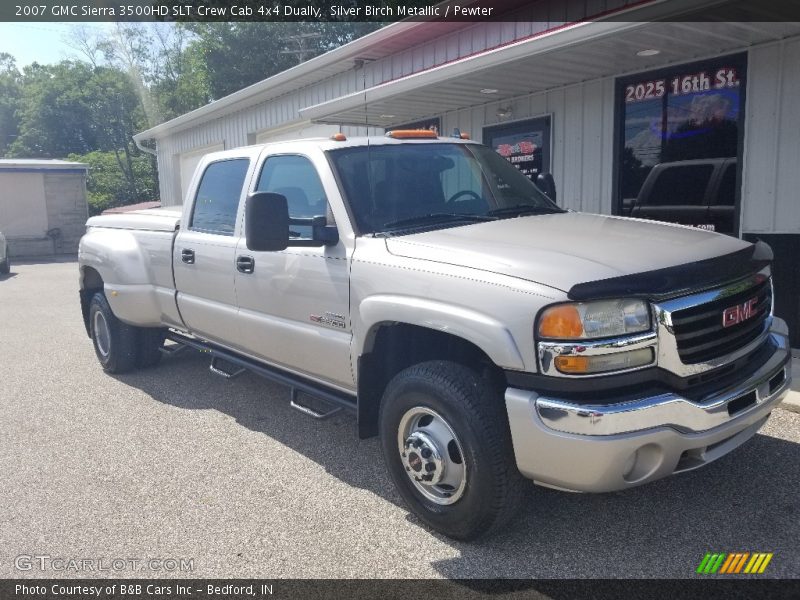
<point x="485" y="334"/>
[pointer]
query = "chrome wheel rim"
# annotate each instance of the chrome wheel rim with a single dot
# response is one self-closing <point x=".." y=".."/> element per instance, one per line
<point x="102" y="336"/>
<point x="432" y="455"/>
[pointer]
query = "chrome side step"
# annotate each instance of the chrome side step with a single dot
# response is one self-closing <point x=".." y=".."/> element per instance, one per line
<point x="222" y="372"/>
<point x="297" y="384"/>
<point x="310" y="411"/>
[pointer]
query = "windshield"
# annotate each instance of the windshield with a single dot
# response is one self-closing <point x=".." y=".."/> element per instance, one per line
<point x="394" y="188"/>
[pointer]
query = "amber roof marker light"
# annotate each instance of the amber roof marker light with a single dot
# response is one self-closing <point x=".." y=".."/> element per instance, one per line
<point x="412" y="134"/>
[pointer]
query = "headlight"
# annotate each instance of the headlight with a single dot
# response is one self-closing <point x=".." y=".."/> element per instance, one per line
<point x="593" y="320"/>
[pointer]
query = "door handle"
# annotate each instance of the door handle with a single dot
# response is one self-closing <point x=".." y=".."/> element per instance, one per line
<point x="245" y="264"/>
<point x="187" y="256"/>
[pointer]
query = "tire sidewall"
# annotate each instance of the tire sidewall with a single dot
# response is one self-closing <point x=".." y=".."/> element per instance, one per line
<point x="100" y="304"/>
<point x="474" y="512"/>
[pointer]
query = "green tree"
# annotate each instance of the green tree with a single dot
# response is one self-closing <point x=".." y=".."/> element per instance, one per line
<point x="9" y="100"/>
<point x="54" y="117"/>
<point x="108" y="185"/>
<point x="237" y="55"/>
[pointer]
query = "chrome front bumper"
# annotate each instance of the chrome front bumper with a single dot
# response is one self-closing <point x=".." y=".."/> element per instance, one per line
<point x="607" y="447"/>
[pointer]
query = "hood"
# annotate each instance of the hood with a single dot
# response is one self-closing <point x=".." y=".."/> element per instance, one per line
<point x="564" y="249"/>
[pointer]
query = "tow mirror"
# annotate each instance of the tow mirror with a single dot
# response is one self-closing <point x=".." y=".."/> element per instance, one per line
<point x="547" y="184"/>
<point x="266" y="222"/>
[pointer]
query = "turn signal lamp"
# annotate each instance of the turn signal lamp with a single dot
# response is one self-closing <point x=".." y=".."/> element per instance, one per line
<point x="572" y="364"/>
<point x="411" y="134"/>
<point x="601" y="363"/>
<point x="561" y="322"/>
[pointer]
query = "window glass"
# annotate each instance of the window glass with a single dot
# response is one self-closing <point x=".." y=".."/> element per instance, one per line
<point x="391" y="183"/>
<point x="726" y="196"/>
<point x="684" y="113"/>
<point x="297" y="179"/>
<point x="218" y="196"/>
<point x="681" y="186"/>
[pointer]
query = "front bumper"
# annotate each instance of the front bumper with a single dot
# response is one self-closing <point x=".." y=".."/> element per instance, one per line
<point x="600" y="448"/>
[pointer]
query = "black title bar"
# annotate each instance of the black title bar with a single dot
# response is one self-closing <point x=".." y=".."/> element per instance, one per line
<point x="550" y="11"/>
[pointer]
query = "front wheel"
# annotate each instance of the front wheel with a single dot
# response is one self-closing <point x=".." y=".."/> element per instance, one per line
<point x="447" y="445"/>
<point x="5" y="266"/>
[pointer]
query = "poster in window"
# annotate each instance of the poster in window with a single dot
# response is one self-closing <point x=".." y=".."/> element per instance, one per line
<point x="525" y="144"/>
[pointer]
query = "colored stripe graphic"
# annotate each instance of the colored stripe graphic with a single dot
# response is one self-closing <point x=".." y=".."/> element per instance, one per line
<point x="734" y="563"/>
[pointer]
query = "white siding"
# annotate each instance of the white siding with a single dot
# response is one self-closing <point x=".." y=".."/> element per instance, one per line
<point x="582" y="137"/>
<point x="771" y="171"/>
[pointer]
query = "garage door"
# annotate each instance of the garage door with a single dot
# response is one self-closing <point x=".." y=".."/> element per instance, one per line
<point x="23" y="212"/>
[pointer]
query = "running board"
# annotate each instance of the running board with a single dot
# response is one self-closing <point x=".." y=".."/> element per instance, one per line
<point x="297" y="384"/>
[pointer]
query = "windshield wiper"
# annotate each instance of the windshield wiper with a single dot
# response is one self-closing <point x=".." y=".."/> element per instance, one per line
<point x="438" y="218"/>
<point x="519" y="209"/>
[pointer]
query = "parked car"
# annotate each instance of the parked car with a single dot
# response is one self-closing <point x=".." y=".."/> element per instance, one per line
<point x="485" y="334"/>
<point x="5" y="261"/>
<point x="701" y="193"/>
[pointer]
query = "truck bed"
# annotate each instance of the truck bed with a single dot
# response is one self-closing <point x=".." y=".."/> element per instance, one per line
<point x="154" y="219"/>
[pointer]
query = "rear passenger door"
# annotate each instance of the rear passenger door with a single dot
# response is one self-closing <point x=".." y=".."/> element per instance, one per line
<point x="203" y="255"/>
<point x="294" y="304"/>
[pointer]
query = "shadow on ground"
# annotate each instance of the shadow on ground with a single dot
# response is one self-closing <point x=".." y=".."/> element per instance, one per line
<point x="745" y="501"/>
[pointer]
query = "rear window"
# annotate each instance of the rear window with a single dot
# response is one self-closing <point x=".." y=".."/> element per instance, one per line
<point x="217" y="199"/>
<point x="680" y="186"/>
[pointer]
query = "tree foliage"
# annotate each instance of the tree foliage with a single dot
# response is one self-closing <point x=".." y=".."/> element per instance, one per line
<point x="88" y="108"/>
<point x="10" y="91"/>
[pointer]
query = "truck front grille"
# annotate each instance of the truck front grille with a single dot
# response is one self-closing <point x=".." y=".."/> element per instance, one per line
<point x="701" y="333"/>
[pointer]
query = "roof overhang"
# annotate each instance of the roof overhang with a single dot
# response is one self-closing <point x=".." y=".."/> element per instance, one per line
<point x="560" y="57"/>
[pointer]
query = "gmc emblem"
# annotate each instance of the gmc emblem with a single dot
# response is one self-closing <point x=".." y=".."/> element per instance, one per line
<point x="741" y="312"/>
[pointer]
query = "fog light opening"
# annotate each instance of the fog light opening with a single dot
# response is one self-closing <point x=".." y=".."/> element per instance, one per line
<point x="643" y="463"/>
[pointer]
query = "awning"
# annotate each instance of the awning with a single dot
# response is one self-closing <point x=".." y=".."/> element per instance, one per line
<point x="567" y="55"/>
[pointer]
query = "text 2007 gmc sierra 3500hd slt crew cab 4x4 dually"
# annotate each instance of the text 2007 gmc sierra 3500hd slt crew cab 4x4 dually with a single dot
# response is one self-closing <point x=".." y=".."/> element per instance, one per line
<point x="484" y="333"/>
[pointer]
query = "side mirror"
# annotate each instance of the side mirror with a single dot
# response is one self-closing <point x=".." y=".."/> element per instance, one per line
<point x="547" y="184"/>
<point x="266" y="222"/>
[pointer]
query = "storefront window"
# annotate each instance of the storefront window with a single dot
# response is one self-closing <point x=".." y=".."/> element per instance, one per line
<point x="690" y="117"/>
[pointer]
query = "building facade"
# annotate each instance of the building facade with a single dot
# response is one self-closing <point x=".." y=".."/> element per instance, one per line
<point x="598" y="99"/>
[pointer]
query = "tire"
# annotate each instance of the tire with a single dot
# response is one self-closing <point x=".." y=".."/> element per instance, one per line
<point x="148" y="347"/>
<point x="422" y="407"/>
<point x="5" y="266"/>
<point x="114" y="341"/>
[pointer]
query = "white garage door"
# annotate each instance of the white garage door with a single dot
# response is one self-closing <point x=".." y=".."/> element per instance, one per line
<point x="23" y="212"/>
<point x="189" y="162"/>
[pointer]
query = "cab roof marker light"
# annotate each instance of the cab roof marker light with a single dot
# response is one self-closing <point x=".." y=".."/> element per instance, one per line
<point x="339" y="137"/>
<point x="410" y="134"/>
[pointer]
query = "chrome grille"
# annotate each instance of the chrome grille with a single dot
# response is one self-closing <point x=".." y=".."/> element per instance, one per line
<point x="699" y="331"/>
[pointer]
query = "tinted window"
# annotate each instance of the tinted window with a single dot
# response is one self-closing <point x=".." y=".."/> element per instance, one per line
<point x="297" y="179"/>
<point x="684" y="186"/>
<point x="726" y="196"/>
<point x="218" y="196"/>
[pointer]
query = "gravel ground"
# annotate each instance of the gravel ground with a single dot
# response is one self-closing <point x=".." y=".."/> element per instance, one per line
<point x="177" y="463"/>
